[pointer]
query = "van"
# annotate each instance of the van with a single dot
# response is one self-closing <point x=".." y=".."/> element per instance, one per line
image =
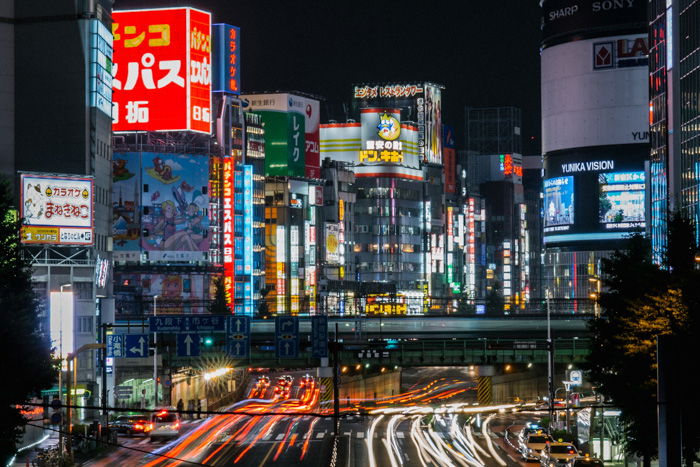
<point x="165" y="423"/>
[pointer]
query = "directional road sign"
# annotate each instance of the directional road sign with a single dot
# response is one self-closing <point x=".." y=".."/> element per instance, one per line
<point x="239" y="336"/>
<point x="115" y="345"/>
<point x="319" y="336"/>
<point x="576" y="377"/>
<point x="188" y="344"/>
<point x="287" y="336"/>
<point x="187" y="323"/>
<point x="135" y="345"/>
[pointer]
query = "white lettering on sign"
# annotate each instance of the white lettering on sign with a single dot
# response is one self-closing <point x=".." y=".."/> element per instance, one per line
<point x="563" y="12"/>
<point x="608" y="5"/>
<point x="592" y="166"/>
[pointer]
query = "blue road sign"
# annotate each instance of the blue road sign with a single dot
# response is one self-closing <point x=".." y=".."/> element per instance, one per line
<point x="188" y="344"/>
<point x="319" y="336"/>
<point x="287" y="336"/>
<point x="187" y="323"/>
<point x="115" y="345"/>
<point x="135" y="345"/>
<point x="239" y="335"/>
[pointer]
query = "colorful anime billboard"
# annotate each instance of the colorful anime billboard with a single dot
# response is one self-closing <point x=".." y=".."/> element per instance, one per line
<point x="160" y="206"/>
<point x="177" y="293"/>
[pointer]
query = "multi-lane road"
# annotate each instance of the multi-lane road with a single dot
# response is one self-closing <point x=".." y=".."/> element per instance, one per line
<point x="433" y="423"/>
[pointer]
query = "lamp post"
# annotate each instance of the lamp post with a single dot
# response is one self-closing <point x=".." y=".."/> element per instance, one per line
<point x="550" y="360"/>
<point x="60" y="356"/>
<point x="155" y="357"/>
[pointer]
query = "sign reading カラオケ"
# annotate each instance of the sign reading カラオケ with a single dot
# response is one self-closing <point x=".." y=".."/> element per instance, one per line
<point x="57" y="209"/>
<point x="162" y="70"/>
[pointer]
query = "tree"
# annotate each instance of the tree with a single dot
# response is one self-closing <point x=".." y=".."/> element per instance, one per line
<point x="642" y="301"/>
<point x="218" y="305"/>
<point x="25" y="354"/>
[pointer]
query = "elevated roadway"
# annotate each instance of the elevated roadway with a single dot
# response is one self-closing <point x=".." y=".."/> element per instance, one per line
<point x="513" y="326"/>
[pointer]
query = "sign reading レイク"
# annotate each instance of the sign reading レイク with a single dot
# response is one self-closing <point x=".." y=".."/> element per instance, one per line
<point x="57" y="209"/>
<point x="162" y="70"/>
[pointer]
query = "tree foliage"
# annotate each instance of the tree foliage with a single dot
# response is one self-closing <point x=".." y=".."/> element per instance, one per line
<point x="218" y="304"/>
<point x="25" y="355"/>
<point x="641" y="301"/>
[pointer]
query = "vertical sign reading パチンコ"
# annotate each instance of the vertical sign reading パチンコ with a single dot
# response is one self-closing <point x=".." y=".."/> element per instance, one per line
<point x="228" y="213"/>
<point x="162" y="70"/>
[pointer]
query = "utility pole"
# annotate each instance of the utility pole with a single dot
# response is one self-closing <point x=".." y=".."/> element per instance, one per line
<point x="155" y="357"/>
<point x="103" y="354"/>
<point x="336" y="384"/>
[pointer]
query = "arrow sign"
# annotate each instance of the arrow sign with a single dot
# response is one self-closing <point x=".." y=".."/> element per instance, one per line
<point x="188" y="344"/>
<point x="135" y="345"/>
<point x="319" y="336"/>
<point x="239" y="335"/>
<point x="287" y="336"/>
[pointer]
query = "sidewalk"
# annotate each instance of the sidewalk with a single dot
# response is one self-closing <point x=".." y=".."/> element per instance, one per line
<point x="47" y="439"/>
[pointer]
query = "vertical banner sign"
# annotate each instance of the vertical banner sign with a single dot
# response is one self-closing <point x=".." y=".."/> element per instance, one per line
<point x="226" y="59"/>
<point x="449" y="158"/>
<point x="247" y="219"/>
<point x="319" y="336"/>
<point x="281" y="286"/>
<point x="162" y="70"/>
<point x="228" y="213"/>
<point x="471" y="249"/>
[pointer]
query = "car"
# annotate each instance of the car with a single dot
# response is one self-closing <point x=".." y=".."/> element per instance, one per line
<point x="587" y="461"/>
<point x="262" y="383"/>
<point x="534" y="444"/>
<point x="131" y="424"/>
<point x="558" y="454"/>
<point x="166" y="424"/>
<point x="307" y="381"/>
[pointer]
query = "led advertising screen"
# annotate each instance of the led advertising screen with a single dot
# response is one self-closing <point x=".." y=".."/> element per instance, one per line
<point x="57" y="209"/>
<point x="594" y="195"/>
<point x="226" y="58"/>
<point x="558" y="202"/>
<point x="162" y="70"/>
<point x="126" y="199"/>
<point x="177" y="293"/>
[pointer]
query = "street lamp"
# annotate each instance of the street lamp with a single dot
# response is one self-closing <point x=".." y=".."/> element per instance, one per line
<point x="60" y="356"/>
<point x="155" y="356"/>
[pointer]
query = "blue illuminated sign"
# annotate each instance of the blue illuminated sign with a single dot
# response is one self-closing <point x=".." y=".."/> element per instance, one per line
<point x="226" y="58"/>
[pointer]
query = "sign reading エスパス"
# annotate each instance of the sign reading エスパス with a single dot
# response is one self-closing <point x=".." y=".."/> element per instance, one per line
<point x="162" y="70"/>
<point x="57" y="209"/>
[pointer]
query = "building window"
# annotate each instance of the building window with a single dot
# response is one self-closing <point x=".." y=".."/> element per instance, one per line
<point x="84" y="325"/>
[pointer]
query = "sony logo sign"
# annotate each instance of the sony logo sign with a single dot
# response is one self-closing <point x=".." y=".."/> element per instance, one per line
<point x="607" y="5"/>
<point x="592" y="166"/>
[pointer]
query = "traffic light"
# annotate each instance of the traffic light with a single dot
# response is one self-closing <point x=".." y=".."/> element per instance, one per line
<point x="208" y="341"/>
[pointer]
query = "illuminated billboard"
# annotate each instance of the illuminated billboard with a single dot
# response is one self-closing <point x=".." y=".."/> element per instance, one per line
<point x="57" y="209"/>
<point x="162" y="70"/>
<point x="292" y="139"/>
<point x="420" y="103"/>
<point x="178" y="292"/>
<point x="174" y="203"/>
<point x="100" y="67"/>
<point x="558" y="202"/>
<point x="126" y="199"/>
<point x="226" y="58"/>
<point x="332" y="243"/>
<point x="594" y="195"/>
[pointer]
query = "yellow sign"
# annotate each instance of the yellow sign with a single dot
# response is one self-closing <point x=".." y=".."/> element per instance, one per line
<point x="341" y="210"/>
<point x="372" y="155"/>
<point x="385" y="309"/>
<point x="32" y="234"/>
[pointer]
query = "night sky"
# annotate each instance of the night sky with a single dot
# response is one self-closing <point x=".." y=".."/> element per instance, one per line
<point x="485" y="53"/>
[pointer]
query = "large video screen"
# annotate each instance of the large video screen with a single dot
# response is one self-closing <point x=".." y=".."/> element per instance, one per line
<point x="594" y="195"/>
<point x="558" y="202"/>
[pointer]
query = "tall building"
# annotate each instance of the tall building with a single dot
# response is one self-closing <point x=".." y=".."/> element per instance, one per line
<point x="395" y="148"/>
<point x="674" y="34"/>
<point x="61" y="143"/>
<point x="494" y="173"/>
<point x="595" y="140"/>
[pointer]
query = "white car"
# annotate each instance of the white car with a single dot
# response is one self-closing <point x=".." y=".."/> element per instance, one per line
<point x="558" y="454"/>
<point x="166" y="424"/>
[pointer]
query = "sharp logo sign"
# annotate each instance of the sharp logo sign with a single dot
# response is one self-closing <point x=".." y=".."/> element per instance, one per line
<point x="621" y="53"/>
